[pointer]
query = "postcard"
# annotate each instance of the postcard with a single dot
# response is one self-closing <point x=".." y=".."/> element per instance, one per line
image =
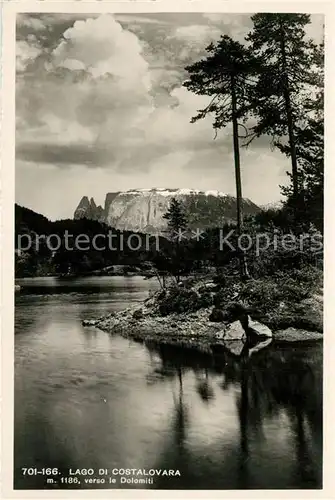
<point x="163" y="250"/>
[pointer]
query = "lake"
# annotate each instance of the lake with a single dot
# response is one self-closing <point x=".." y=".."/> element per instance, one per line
<point x="85" y="399"/>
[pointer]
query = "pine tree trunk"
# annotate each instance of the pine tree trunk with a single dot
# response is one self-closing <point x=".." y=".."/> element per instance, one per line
<point x="290" y="124"/>
<point x="243" y="263"/>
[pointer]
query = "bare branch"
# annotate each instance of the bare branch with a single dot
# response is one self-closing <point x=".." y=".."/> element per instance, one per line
<point x="245" y="129"/>
<point x="252" y="137"/>
<point x="210" y="104"/>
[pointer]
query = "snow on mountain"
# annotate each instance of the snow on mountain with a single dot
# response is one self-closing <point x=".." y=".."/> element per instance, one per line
<point x="275" y="205"/>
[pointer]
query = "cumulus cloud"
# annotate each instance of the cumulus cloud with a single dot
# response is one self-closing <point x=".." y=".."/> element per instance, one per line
<point x="26" y="53"/>
<point x="103" y="47"/>
<point x="95" y="88"/>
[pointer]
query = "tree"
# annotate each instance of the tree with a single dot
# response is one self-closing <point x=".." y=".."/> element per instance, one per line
<point x="226" y="76"/>
<point x="176" y="217"/>
<point x="284" y="82"/>
<point x="177" y="223"/>
<point x="310" y="150"/>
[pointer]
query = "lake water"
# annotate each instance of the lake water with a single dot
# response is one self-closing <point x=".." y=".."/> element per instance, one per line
<point x="87" y="399"/>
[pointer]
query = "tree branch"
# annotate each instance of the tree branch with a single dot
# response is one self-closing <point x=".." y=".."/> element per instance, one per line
<point x="252" y="136"/>
<point x="245" y="129"/>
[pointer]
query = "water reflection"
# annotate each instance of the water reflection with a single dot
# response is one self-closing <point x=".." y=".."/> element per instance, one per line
<point x="273" y="385"/>
<point x="228" y="417"/>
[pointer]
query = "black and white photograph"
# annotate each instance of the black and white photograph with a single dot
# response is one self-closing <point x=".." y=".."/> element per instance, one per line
<point x="169" y="223"/>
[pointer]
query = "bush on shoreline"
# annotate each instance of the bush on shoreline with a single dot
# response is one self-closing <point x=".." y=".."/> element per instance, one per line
<point x="279" y="301"/>
<point x="182" y="300"/>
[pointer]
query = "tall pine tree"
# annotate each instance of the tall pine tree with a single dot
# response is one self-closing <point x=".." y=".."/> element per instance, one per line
<point x="310" y="149"/>
<point x="226" y="75"/>
<point x="284" y="82"/>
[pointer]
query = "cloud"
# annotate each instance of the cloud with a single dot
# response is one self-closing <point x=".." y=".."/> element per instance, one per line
<point x="94" y="104"/>
<point x="26" y="53"/>
<point x="197" y="35"/>
<point x="94" y="90"/>
<point x="101" y="105"/>
<point x="315" y="29"/>
<point x="234" y="25"/>
<point x="63" y="155"/>
<point x="30" y="22"/>
<point x="131" y="20"/>
<point x="103" y="47"/>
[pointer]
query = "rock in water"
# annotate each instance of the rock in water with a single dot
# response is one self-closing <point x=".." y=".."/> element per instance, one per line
<point x="89" y="322"/>
<point x="257" y="329"/>
<point x="235" y="331"/>
<point x="259" y="346"/>
<point x="234" y="346"/>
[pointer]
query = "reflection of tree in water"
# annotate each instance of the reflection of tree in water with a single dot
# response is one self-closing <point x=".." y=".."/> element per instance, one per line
<point x="204" y="388"/>
<point x="275" y="379"/>
<point x="181" y="417"/>
<point x="269" y="381"/>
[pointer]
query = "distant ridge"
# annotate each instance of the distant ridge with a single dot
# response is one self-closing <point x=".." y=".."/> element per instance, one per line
<point x="142" y="209"/>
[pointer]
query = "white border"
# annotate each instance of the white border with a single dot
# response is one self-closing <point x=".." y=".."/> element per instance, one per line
<point x="10" y="8"/>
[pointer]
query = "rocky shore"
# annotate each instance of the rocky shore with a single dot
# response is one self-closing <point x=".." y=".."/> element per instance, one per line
<point x="233" y="327"/>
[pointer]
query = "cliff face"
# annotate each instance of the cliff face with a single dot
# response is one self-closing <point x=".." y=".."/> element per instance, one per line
<point x="143" y="209"/>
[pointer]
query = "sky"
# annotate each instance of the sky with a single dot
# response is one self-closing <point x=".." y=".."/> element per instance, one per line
<point x="100" y="107"/>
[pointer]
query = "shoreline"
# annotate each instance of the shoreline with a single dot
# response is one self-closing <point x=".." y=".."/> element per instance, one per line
<point x="142" y="323"/>
<point x="64" y="278"/>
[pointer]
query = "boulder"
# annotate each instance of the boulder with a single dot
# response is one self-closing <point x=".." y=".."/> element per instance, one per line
<point x="235" y="331"/>
<point x="235" y="347"/>
<point x="89" y="322"/>
<point x="257" y="329"/>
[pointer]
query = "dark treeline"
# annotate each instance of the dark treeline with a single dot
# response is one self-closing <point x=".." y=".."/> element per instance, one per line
<point x="157" y="255"/>
<point x="76" y="259"/>
<point x="140" y="252"/>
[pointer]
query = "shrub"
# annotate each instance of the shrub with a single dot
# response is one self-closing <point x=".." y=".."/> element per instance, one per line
<point x="138" y="314"/>
<point x="226" y="295"/>
<point x="277" y="300"/>
<point x="220" y="279"/>
<point x="217" y="315"/>
<point x="182" y="300"/>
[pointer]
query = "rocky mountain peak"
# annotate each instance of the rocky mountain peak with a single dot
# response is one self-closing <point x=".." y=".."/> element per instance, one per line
<point x="89" y="210"/>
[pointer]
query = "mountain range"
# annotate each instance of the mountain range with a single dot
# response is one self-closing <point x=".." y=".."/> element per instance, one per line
<point x="142" y="210"/>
